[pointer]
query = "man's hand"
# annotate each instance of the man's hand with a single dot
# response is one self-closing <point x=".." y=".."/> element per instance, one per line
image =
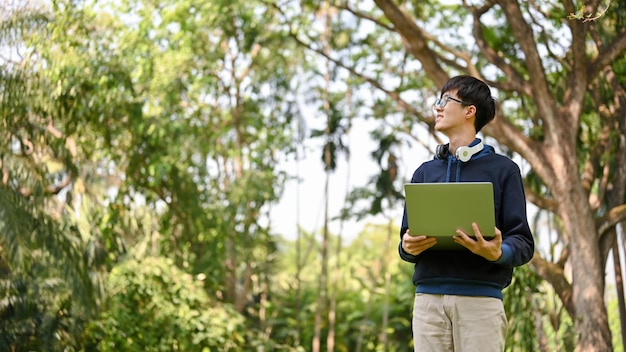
<point x="415" y="245"/>
<point x="490" y="250"/>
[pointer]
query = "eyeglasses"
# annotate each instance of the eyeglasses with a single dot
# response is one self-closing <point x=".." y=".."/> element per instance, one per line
<point x="442" y="102"/>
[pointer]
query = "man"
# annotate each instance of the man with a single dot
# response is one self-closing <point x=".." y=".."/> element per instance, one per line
<point x="458" y="297"/>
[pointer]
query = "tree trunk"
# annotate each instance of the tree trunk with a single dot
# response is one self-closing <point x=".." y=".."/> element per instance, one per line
<point x="299" y="263"/>
<point x="323" y="278"/>
<point x="590" y="316"/>
<point x="363" y="326"/>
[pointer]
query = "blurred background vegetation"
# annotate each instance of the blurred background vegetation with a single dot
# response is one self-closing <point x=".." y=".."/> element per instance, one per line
<point x="141" y="141"/>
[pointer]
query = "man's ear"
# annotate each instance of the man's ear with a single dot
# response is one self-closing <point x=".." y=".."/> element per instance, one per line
<point x="470" y="111"/>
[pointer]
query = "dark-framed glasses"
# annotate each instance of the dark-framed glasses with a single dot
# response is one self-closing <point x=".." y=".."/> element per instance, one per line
<point x="442" y="102"/>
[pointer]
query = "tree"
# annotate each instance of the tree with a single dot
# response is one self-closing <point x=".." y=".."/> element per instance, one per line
<point x="50" y="267"/>
<point x="213" y="103"/>
<point x="561" y="89"/>
<point x="152" y="305"/>
<point x="154" y="125"/>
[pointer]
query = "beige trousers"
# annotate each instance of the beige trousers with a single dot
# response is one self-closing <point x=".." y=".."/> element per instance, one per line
<point x="446" y="323"/>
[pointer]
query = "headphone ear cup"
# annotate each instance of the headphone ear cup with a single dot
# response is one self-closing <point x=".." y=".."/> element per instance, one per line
<point x="464" y="154"/>
<point x="441" y="152"/>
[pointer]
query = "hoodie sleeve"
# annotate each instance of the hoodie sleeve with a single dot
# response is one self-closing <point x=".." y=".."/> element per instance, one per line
<point x="404" y="255"/>
<point x="417" y="177"/>
<point x="518" y="245"/>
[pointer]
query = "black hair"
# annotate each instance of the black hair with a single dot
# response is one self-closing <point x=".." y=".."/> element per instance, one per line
<point x="474" y="92"/>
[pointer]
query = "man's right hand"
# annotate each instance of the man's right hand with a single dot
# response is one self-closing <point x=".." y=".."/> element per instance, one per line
<point x="415" y="245"/>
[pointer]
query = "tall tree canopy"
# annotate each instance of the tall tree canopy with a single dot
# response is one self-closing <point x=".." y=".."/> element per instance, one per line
<point x="137" y="126"/>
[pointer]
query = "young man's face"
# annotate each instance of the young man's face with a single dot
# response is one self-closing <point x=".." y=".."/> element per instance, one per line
<point x="452" y="115"/>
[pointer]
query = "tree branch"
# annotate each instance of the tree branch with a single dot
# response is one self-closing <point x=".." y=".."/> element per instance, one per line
<point x="392" y="94"/>
<point x="540" y="90"/>
<point x="361" y="15"/>
<point x="463" y="55"/>
<point x="578" y="79"/>
<point x="514" y="79"/>
<point x="414" y="40"/>
<point x="608" y="54"/>
<point x="51" y="189"/>
<point x="549" y="44"/>
<point x="540" y="201"/>
<point x="515" y="140"/>
<point x="616" y="192"/>
<point x="593" y="163"/>
<point x="611" y="218"/>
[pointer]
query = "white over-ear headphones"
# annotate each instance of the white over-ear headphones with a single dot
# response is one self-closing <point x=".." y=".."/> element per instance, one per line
<point x="465" y="153"/>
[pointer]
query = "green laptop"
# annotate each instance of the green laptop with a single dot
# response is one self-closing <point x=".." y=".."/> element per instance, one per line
<point x="439" y="209"/>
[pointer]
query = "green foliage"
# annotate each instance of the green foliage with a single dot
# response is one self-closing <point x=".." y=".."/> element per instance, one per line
<point x="387" y="186"/>
<point x="520" y="305"/>
<point x="48" y="279"/>
<point x="216" y="112"/>
<point x="360" y="293"/>
<point x="537" y="320"/>
<point x="135" y="101"/>
<point x="38" y="311"/>
<point x="337" y="125"/>
<point x="153" y="306"/>
<point x="49" y="268"/>
<point x="614" y="322"/>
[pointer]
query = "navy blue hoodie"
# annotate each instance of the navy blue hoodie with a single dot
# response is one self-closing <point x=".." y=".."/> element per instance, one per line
<point x="461" y="272"/>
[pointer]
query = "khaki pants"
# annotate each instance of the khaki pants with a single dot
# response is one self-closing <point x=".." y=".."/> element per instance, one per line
<point x="458" y="323"/>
